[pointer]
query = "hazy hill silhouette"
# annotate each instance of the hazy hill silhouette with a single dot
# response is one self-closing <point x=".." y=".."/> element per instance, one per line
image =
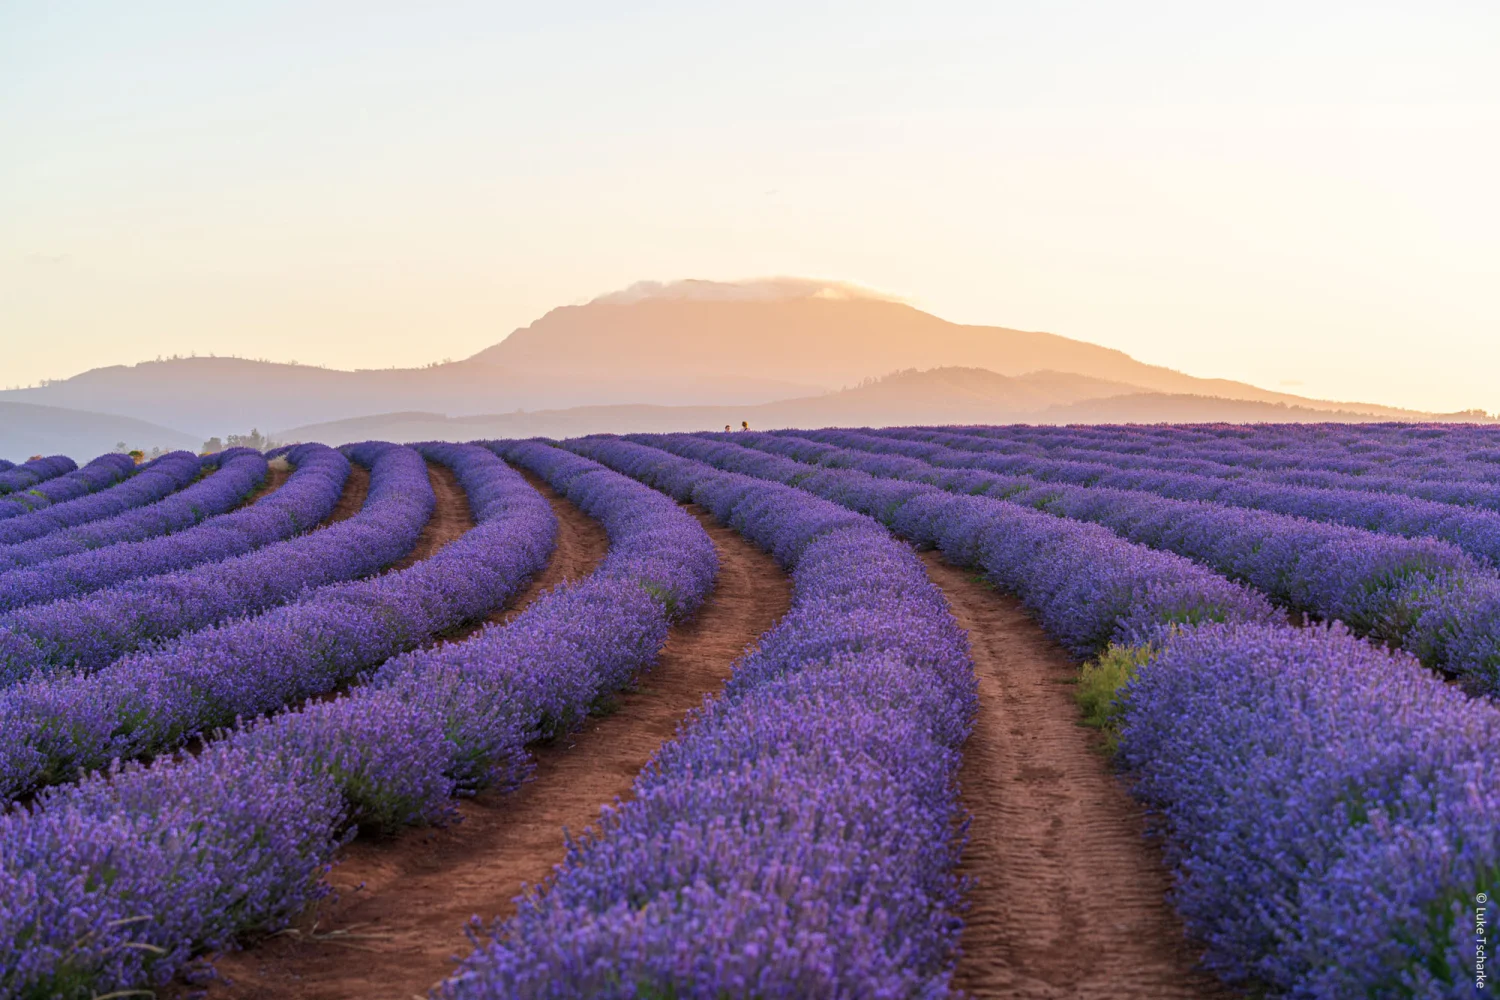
<point x="691" y="343"/>
<point x="26" y="429"/>
<point x="1165" y="408"/>
<point x="700" y="329"/>
<point x="938" y="396"/>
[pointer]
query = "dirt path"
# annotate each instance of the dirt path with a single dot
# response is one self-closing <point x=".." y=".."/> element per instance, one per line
<point x="450" y="518"/>
<point x="581" y="544"/>
<point x="1070" y="900"/>
<point x="275" y="476"/>
<point x="356" y="488"/>
<point x="403" y="904"/>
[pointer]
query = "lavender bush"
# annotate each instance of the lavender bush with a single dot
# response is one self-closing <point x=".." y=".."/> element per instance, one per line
<point x="278" y="794"/>
<point x="111" y="885"/>
<point x="106" y="470"/>
<point x="85" y="633"/>
<point x="164" y="498"/>
<point x="798" y="838"/>
<point x="20" y="477"/>
<point x="1332" y="808"/>
<point x="1420" y="594"/>
<point x="147" y="484"/>
<point x="307" y="497"/>
<point x="1087" y="586"/>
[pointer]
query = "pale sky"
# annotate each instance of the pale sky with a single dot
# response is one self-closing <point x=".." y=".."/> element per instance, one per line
<point x="1302" y="195"/>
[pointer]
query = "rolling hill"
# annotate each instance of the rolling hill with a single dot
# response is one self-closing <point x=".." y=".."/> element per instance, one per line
<point x="691" y="344"/>
<point x="937" y="396"/>
<point x="27" y="429"/>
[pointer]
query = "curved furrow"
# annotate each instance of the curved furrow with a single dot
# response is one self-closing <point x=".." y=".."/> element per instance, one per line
<point x="1069" y="897"/>
<point x="37" y="470"/>
<point x="86" y="633"/>
<point x="173" y="502"/>
<point x="101" y="473"/>
<point x="157" y="479"/>
<point x="407" y="901"/>
<point x="270" y="801"/>
<point x="309" y="494"/>
<point x="53" y="729"/>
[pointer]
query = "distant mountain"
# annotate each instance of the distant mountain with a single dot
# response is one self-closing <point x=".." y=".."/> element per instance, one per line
<point x="687" y="344"/>
<point x="231" y="395"/>
<point x="698" y="329"/>
<point x="26" y="430"/>
<point x="937" y="396"/>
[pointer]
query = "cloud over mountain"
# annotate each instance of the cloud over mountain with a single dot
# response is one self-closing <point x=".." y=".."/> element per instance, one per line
<point x="779" y="289"/>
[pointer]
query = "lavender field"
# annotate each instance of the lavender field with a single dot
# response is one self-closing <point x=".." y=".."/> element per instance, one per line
<point x="1145" y="711"/>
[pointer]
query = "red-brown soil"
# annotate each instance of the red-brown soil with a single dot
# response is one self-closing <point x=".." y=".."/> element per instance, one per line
<point x="356" y="488"/>
<point x="276" y="475"/>
<point x="450" y="518"/>
<point x="403" y="903"/>
<point x="581" y="544"/>
<point x="1070" y="900"/>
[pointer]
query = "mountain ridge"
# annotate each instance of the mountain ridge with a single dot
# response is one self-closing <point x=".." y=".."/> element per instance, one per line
<point x="690" y="344"/>
<point x="29" y="429"/>
<point x="937" y="396"/>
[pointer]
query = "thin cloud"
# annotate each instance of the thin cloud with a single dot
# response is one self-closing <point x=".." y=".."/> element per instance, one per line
<point x="750" y="290"/>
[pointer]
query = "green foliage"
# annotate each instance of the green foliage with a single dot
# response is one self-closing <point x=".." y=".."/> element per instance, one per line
<point x="666" y="595"/>
<point x="1100" y="687"/>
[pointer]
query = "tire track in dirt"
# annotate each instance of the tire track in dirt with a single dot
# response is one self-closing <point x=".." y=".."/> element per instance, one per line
<point x="403" y="904"/>
<point x="1070" y="896"/>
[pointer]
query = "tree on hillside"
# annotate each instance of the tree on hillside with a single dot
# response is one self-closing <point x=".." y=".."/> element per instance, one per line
<point x="255" y="439"/>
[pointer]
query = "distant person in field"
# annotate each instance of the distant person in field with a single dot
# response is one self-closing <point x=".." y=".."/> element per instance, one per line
<point x="726" y="428"/>
<point x="744" y="425"/>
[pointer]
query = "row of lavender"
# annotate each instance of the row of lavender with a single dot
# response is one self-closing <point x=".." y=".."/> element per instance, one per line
<point x="1475" y="531"/>
<point x="86" y="632"/>
<point x="56" y="727"/>
<point x="104" y="471"/>
<point x="119" y="880"/>
<point x="1332" y="808"/>
<point x="1355" y="453"/>
<point x="1336" y="461"/>
<point x="797" y="838"/>
<point x="1431" y="454"/>
<point x="1420" y="594"/>
<point x="306" y="498"/>
<point x="37" y="470"/>
<point x="148" y="484"/>
<point x="168" y="496"/>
